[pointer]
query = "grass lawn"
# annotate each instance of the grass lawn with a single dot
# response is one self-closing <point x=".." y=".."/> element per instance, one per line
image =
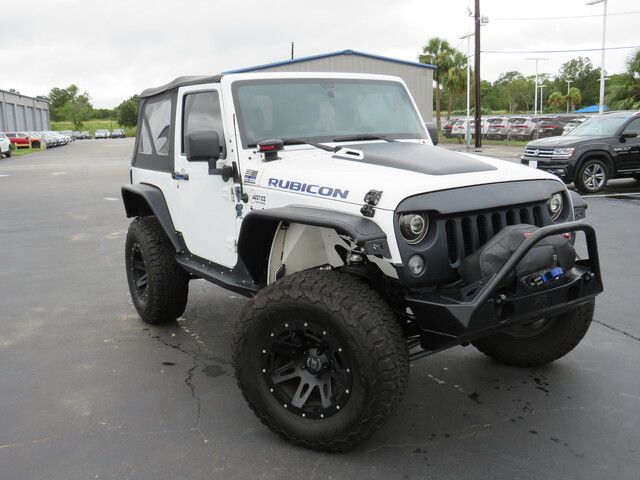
<point x="23" y="151"/>
<point x="93" y="125"/>
<point x="511" y="143"/>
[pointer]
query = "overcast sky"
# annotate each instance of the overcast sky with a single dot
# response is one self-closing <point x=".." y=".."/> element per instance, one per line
<point x="114" y="49"/>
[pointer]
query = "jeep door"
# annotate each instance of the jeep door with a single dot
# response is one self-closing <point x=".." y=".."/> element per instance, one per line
<point x="206" y="203"/>
<point x="628" y="149"/>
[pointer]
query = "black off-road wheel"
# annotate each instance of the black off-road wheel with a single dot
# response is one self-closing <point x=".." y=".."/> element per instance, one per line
<point x="321" y="359"/>
<point x="158" y="285"/>
<point x="592" y="176"/>
<point x="541" y="341"/>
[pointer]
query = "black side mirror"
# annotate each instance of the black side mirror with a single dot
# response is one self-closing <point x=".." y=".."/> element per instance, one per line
<point x="204" y="146"/>
<point x="626" y="135"/>
<point x="432" y="128"/>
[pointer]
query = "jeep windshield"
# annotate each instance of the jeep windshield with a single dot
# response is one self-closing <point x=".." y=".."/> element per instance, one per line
<point x="600" y="126"/>
<point x="324" y="110"/>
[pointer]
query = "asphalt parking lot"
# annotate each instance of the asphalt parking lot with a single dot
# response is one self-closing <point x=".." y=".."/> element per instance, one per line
<point x="88" y="391"/>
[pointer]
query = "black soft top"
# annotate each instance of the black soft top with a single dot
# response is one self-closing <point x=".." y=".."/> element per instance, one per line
<point x="181" y="82"/>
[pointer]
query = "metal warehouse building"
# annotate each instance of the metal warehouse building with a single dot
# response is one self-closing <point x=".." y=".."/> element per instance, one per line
<point x="22" y="113"/>
<point x="417" y="76"/>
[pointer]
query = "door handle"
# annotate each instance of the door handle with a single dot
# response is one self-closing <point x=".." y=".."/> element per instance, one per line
<point x="180" y="176"/>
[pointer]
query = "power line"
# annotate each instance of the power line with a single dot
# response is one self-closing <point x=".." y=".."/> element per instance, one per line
<point x="560" y="51"/>
<point x="631" y="12"/>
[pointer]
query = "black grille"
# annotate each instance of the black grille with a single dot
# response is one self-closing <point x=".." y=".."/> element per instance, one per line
<point x="467" y="232"/>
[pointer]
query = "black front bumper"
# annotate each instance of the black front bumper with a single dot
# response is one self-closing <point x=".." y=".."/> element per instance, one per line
<point x="563" y="169"/>
<point x="448" y="318"/>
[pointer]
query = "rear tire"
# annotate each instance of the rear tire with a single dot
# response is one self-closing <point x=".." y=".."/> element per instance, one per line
<point x="158" y="285"/>
<point x="545" y="342"/>
<point x="592" y="176"/>
<point x="363" y="359"/>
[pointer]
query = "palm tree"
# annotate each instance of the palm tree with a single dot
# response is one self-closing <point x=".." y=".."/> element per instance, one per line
<point x="456" y="80"/>
<point x="556" y="100"/>
<point x="625" y="93"/>
<point x="574" y="97"/>
<point x="437" y="52"/>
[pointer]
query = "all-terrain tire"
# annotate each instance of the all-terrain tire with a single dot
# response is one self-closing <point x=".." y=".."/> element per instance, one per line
<point x="557" y="338"/>
<point x="369" y="333"/>
<point x="587" y="183"/>
<point x="150" y="254"/>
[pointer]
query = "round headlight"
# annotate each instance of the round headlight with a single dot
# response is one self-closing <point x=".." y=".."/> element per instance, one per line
<point x="554" y="206"/>
<point x="413" y="227"/>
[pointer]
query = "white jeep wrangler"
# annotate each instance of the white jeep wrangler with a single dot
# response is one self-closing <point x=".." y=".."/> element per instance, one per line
<point x="361" y="245"/>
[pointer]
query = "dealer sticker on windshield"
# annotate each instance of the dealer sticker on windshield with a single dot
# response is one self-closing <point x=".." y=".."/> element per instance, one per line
<point x="533" y="163"/>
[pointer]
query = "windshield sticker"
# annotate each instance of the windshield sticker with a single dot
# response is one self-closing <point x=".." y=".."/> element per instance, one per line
<point x="309" y="188"/>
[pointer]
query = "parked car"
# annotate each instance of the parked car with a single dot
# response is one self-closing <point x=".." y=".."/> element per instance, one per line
<point x="447" y="126"/>
<point x="603" y="147"/>
<point x="63" y="139"/>
<point x="102" y="134"/>
<point x="572" y="124"/>
<point x="84" y="135"/>
<point x="19" y="140"/>
<point x="52" y="140"/>
<point x="522" y="128"/>
<point x="35" y="140"/>
<point x="496" y="128"/>
<point x="75" y="135"/>
<point x="118" y="133"/>
<point x="5" y="145"/>
<point x="67" y="133"/>
<point x="552" y="126"/>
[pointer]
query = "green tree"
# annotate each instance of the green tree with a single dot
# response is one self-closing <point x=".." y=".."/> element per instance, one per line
<point x="456" y="80"/>
<point x="573" y="98"/>
<point x="584" y="77"/>
<point x="128" y="112"/>
<point x="77" y="110"/>
<point x="624" y="90"/>
<point x="437" y="52"/>
<point x="556" y="101"/>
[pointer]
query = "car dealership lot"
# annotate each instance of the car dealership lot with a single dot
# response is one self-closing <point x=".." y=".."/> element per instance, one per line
<point x="88" y="391"/>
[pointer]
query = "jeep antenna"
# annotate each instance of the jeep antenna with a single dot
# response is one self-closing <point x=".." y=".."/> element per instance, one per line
<point x="243" y="196"/>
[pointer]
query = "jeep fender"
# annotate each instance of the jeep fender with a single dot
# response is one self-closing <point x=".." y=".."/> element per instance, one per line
<point x="261" y="227"/>
<point x="142" y="200"/>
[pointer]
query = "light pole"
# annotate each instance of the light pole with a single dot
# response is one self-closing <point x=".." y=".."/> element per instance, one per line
<point x="541" y="98"/>
<point x="467" y="133"/>
<point x="604" y="34"/>
<point x="535" y="89"/>
<point x="569" y="82"/>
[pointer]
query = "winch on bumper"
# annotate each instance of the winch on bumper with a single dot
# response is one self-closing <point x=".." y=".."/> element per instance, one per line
<point x="449" y="317"/>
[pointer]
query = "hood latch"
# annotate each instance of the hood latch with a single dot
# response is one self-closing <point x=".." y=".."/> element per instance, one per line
<point x="371" y="199"/>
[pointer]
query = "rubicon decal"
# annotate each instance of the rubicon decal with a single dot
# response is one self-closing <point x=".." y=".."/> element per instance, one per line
<point x="313" y="189"/>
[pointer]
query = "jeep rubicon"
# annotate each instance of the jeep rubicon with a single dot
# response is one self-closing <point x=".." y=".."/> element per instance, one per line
<point x="601" y="148"/>
<point x="361" y="245"/>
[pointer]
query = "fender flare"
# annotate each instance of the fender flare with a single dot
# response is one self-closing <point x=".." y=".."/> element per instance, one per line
<point x="259" y="228"/>
<point x="603" y="154"/>
<point x="143" y="200"/>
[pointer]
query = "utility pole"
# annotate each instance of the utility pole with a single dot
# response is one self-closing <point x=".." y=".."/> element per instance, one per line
<point x="604" y="34"/>
<point x="569" y="82"/>
<point x="476" y="18"/>
<point x="291" y="50"/>
<point x="467" y="131"/>
<point x="535" y="88"/>
<point x="542" y="98"/>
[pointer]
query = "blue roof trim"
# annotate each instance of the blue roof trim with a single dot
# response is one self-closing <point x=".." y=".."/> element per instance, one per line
<point x="331" y="54"/>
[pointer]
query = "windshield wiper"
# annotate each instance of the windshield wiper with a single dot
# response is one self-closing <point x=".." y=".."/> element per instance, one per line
<point x="297" y="141"/>
<point x="366" y="136"/>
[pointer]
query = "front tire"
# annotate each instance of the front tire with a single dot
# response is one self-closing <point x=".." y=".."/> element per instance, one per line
<point x="541" y="341"/>
<point x="158" y="285"/>
<point x="592" y="176"/>
<point x="321" y="359"/>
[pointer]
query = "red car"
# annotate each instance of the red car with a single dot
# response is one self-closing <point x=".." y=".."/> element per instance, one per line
<point x="19" y="140"/>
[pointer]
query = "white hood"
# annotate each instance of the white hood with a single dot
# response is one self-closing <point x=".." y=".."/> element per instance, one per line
<point x="350" y="180"/>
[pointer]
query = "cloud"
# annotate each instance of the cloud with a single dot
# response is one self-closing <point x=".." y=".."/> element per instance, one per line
<point x="117" y="48"/>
